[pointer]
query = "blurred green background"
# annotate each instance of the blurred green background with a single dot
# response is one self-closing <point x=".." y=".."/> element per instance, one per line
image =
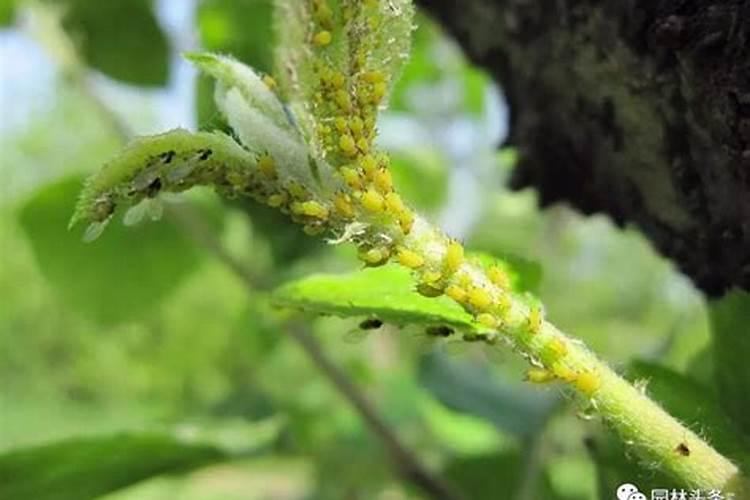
<point x="146" y="332"/>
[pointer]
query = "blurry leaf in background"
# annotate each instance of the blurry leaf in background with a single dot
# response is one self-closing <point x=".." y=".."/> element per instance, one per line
<point x="473" y="390"/>
<point x="7" y="12"/>
<point x="686" y="400"/>
<point x="497" y="476"/>
<point x="421" y="177"/>
<point x="240" y="28"/>
<point x="83" y="468"/>
<point x="730" y="320"/>
<point x="120" y="38"/>
<point x="119" y="277"/>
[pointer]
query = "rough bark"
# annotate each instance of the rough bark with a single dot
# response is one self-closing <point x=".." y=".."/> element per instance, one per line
<point x="636" y="108"/>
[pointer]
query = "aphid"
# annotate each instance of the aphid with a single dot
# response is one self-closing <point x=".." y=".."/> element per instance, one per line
<point x="347" y="145"/>
<point x="342" y="202"/>
<point x="374" y="257"/>
<point x="351" y="177"/>
<point x="371" y="324"/>
<point x="427" y="290"/>
<point x="311" y="209"/>
<point x="342" y="100"/>
<point x="488" y="320"/>
<point x="406" y="221"/>
<point x="322" y="38"/>
<point x="534" y="320"/>
<point x="270" y="82"/>
<point x="373" y="76"/>
<point x="378" y="92"/>
<point x="341" y="124"/>
<point x="499" y="277"/>
<point x="373" y="201"/>
<point x="356" y="125"/>
<point x="563" y="372"/>
<point x="555" y="349"/>
<point x="410" y="258"/>
<point x="278" y="199"/>
<point x="267" y="166"/>
<point x="393" y="203"/>
<point x="456" y="293"/>
<point x="313" y="229"/>
<point x="297" y="190"/>
<point x="439" y="331"/>
<point x="454" y="256"/>
<point x="539" y="376"/>
<point x="369" y="165"/>
<point x="682" y="449"/>
<point x="337" y="80"/>
<point x="167" y="156"/>
<point x="479" y="299"/>
<point x="588" y="382"/>
<point x="204" y="154"/>
<point x="431" y="276"/>
<point x="383" y="180"/>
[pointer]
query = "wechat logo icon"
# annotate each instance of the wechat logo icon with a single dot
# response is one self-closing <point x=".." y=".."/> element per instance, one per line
<point x="629" y="491"/>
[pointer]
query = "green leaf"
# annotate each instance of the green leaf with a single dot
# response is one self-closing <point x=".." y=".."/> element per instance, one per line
<point x="471" y="389"/>
<point x="385" y="292"/>
<point x="120" y="38"/>
<point x="123" y="275"/>
<point x="730" y="327"/>
<point x="495" y="476"/>
<point x="82" y="468"/>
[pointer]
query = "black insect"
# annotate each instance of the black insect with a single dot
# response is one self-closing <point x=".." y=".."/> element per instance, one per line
<point x="439" y="331"/>
<point x="371" y="324"/>
<point x="204" y="154"/>
<point x="167" y="156"/>
<point x="153" y="188"/>
<point x="682" y="449"/>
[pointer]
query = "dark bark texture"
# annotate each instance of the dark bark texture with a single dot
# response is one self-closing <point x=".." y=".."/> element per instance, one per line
<point x="635" y="108"/>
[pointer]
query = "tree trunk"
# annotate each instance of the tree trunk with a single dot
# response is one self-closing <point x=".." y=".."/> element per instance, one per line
<point x="636" y="108"/>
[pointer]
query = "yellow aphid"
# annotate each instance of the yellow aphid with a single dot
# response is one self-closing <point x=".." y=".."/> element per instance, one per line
<point x="383" y="180"/>
<point x="588" y="382"/>
<point x="267" y="166"/>
<point x="373" y="77"/>
<point x="488" y="320"/>
<point x="313" y="229"/>
<point x="322" y="38"/>
<point x="539" y="376"/>
<point x="503" y="304"/>
<point x="557" y="348"/>
<point x="431" y="276"/>
<point x="276" y="200"/>
<point x="323" y="15"/>
<point x="456" y="293"/>
<point x="410" y="258"/>
<point x="310" y="209"/>
<point x="356" y="125"/>
<point x="369" y="165"/>
<point x="454" y="256"/>
<point x="351" y="177"/>
<point x="297" y="190"/>
<point x="343" y="204"/>
<point x="374" y="256"/>
<point x="479" y="298"/>
<point x="378" y="92"/>
<point x="534" y="320"/>
<point x="363" y="145"/>
<point x="341" y="124"/>
<point x="337" y="80"/>
<point x="270" y="82"/>
<point x="372" y="201"/>
<point x="563" y="372"/>
<point x="406" y="221"/>
<point x="342" y="100"/>
<point x="427" y="290"/>
<point x="347" y="145"/>
<point x="393" y="203"/>
<point x="499" y="277"/>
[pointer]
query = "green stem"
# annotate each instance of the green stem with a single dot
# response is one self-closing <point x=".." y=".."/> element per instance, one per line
<point x="658" y="437"/>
